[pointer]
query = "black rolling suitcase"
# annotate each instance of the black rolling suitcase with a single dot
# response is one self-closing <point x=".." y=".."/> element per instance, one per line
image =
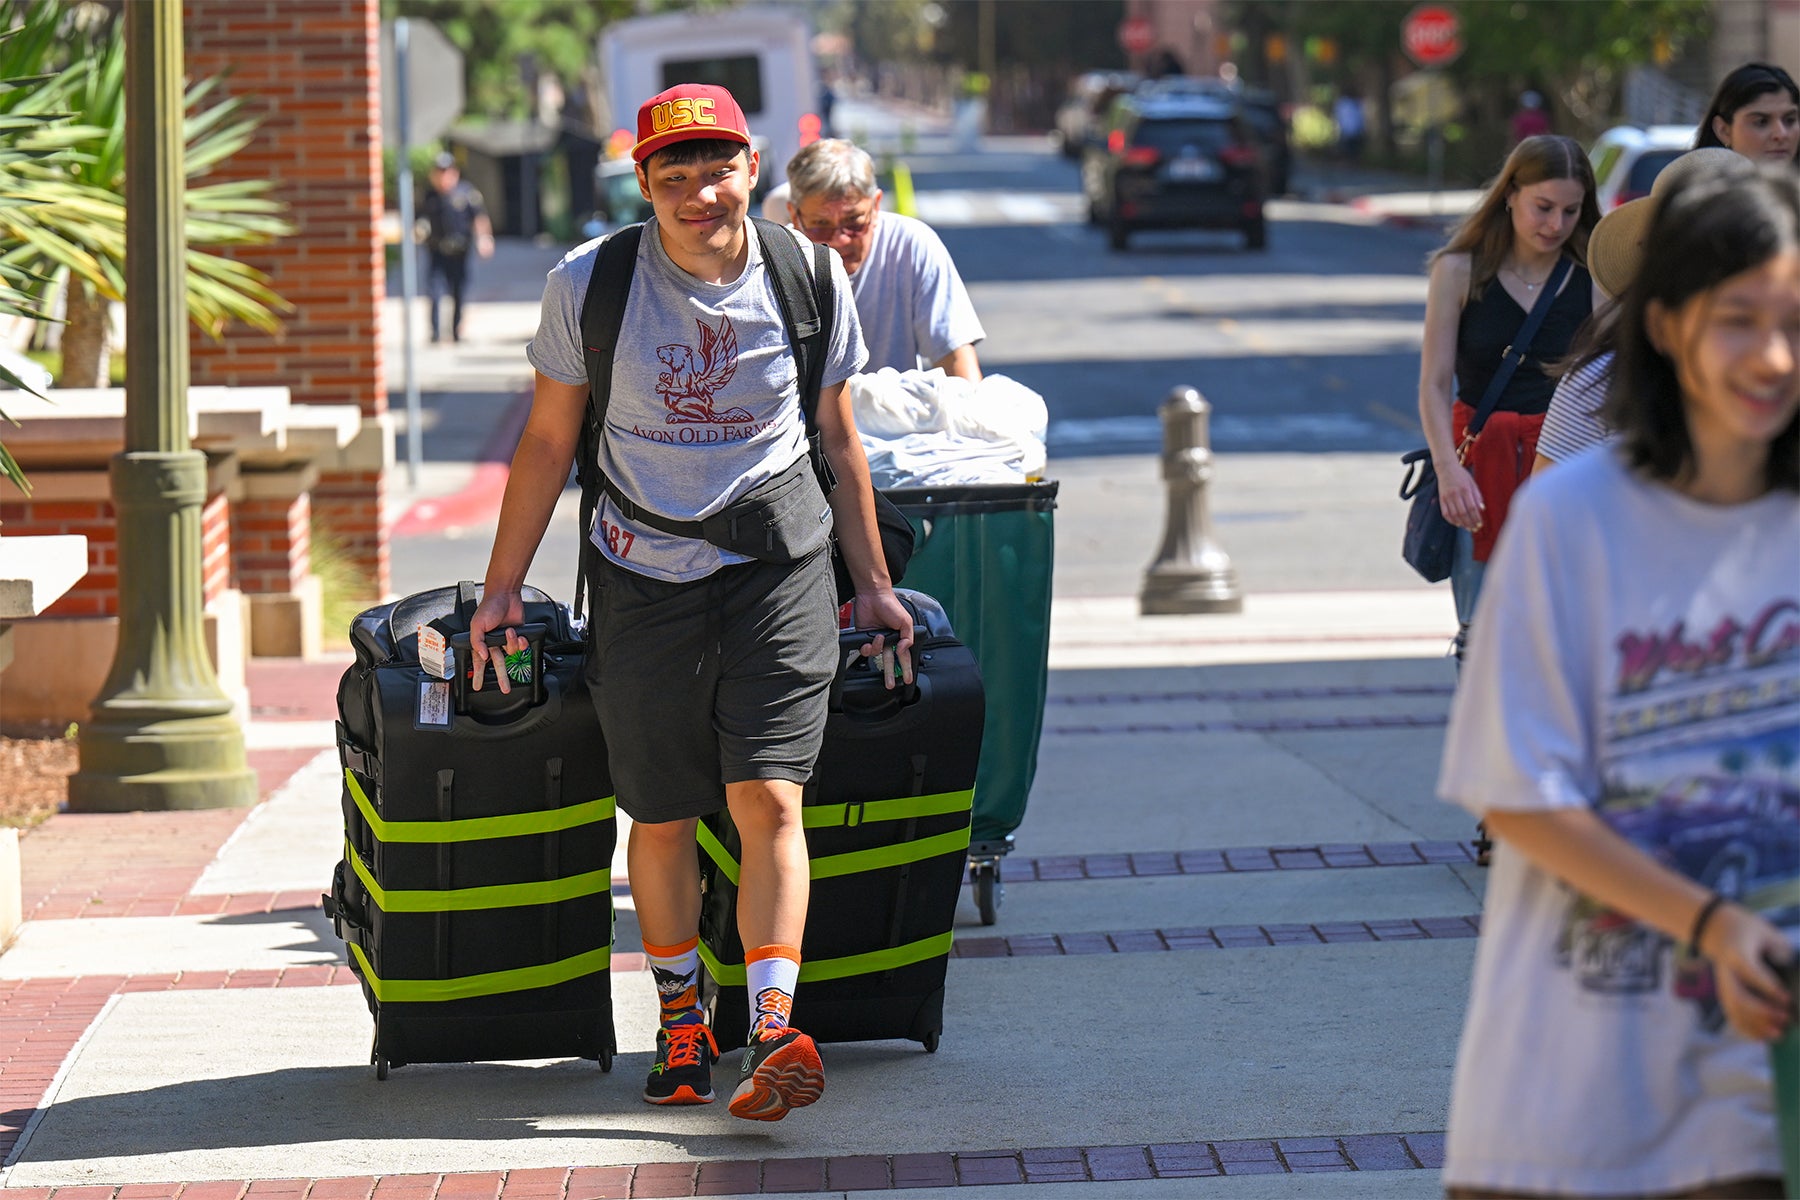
<point x="475" y="894"/>
<point x="887" y="829"/>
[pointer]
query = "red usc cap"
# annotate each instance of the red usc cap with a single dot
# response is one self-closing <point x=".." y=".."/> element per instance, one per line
<point x="686" y="111"/>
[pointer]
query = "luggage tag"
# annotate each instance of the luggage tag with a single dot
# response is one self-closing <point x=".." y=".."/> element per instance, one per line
<point x="435" y="663"/>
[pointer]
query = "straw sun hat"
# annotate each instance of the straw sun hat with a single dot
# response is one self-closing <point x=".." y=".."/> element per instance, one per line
<point x="1616" y="246"/>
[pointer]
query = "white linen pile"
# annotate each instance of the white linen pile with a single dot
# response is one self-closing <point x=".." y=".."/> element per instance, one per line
<point x="928" y="429"/>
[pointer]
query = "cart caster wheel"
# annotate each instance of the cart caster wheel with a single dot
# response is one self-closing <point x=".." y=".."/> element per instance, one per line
<point x="931" y="1042"/>
<point x="985" y="879"/>
<point x="606" y="1057"/>
<point x="381" y="1067"/>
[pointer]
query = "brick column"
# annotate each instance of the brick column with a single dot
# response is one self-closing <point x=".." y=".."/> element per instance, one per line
<point x="272" y="552"/>
<point x="309" y="70"/>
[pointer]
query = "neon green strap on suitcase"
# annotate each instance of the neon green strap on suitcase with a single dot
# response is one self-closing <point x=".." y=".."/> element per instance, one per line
<point x="819" y="970"/>
<point x="474" y="829"/>
<point x="827" y="816"/>
<point x="493" y="983"/>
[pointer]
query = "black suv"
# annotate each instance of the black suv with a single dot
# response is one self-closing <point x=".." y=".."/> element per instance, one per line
<point x="1176" y="162"/>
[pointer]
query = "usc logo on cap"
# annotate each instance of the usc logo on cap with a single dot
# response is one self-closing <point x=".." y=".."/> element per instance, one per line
<point x="677" y="114"/>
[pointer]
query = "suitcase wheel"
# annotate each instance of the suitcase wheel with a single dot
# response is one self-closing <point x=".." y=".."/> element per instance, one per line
<point x="984" y="878"/>
<point x="606" y="1053"/>
<point x="931" y="1042"/>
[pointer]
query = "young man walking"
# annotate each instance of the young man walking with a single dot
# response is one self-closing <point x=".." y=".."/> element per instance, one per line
<point x="709" y="668"/>
<point x="911" y="301"/>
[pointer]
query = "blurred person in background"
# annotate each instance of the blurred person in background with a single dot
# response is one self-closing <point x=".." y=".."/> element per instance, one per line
<point x="913" y="306"/>
<point x="1530" y="119"/>
<point x="1756" y="112"/>
<point x="1628" y="713"/>
<point x="1347" y="112"/>
<point x="454" y="221"/>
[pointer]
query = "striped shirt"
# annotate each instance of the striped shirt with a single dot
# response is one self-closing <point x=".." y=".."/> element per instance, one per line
<point x="1573" y="422"/>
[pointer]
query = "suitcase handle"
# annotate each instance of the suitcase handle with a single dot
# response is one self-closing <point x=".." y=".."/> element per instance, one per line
<point x="534" y="635"/>
<point x="856" y="677"/>
<point x="537" y="717"/>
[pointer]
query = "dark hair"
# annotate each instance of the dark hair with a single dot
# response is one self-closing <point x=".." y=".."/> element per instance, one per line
<point x="695" y="150"/>
<point x="1486" y="234"/>
<point x="1704" y="232"/>
<point x="1738" y="89"/>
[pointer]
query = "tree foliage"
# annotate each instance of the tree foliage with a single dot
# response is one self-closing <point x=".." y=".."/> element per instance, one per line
<point x="74" y="224"/>
<point x="497" y="36"/>
<point x="1576" y="52"/>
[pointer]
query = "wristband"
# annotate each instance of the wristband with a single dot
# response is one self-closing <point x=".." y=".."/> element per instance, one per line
<point x="1700" y="919"/>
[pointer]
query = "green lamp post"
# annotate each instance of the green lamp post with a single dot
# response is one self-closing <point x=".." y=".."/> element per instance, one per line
<point x="162" y="735"/>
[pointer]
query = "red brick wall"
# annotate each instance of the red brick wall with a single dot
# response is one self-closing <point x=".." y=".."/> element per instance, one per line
<point x="309" y="70"/>
<point x="272" y="543"/>
<point x="96" y="594"/>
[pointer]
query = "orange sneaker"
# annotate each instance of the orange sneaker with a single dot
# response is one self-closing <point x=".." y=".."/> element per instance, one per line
<point x="682" y="1074"/>
<point x="778" y="1073"/>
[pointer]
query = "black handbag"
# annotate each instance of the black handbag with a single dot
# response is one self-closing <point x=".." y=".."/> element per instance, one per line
<point x="1429" y="544"/>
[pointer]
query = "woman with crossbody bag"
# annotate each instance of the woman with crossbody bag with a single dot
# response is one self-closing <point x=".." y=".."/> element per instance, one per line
<point x="1501" y="263"/>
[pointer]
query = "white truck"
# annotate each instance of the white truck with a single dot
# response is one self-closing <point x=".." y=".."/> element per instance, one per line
<point x="763" y="55"/>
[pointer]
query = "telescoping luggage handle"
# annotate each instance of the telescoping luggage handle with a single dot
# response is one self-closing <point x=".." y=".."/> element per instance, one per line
<point x="523" y="670"/>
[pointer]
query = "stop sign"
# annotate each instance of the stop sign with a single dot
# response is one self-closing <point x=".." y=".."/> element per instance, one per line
<point x="1432" y="35"/>
<point x="1136" y="35"/>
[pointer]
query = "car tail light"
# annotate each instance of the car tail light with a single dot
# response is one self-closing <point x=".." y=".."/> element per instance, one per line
<point x="1626" y="195"/>
<point x="1238" y="156"/>
<point x="1127" y="209"/>
<point x="1143" y="156"/>
<point x="1252" y="209"/>
<point x="1115" y="141"/>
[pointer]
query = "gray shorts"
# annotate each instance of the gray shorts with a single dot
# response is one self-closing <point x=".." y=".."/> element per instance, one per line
<point x="715" y="681"/>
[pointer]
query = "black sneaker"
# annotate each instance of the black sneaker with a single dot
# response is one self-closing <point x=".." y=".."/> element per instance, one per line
<point x="685" y="1054"/>
<point x="779" y="1072"/>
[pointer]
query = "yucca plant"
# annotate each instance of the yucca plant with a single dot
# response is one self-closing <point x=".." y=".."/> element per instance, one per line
<point x="78" y="226"/>
<point x="30" y="144"/>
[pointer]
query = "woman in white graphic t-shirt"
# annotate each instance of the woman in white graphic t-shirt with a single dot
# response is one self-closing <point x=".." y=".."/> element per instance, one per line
<point x="1631" y="735"/>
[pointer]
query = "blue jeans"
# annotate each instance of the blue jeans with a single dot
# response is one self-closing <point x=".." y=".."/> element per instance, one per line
<point x="1465" y="585"/>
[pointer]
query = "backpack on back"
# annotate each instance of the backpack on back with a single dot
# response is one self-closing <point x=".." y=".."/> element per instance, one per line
<point x="807" y="301"/>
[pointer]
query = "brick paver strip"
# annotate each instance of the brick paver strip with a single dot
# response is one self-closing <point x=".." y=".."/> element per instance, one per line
<point x="1235" y="860"/>
<point x="1229" y="937"/>
<point x="1358" y="692"/>
<point x="1264" y="725"/>
<point x="863" y="1172"/>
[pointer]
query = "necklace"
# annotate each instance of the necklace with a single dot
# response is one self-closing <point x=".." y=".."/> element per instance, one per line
<point x="1530" y="285"/>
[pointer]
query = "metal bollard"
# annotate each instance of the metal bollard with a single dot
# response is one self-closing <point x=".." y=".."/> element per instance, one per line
<point x="1192" y="573"/>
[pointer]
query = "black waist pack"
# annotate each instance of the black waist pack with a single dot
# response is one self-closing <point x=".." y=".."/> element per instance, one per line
<point x="782" y="520"/>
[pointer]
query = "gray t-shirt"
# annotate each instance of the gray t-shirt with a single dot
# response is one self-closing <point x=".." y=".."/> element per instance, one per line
<point x="913" y="305"/>
<point x="705" y="400"/>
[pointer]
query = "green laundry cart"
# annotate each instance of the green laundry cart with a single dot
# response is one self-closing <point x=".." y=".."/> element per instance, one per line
<point x="985" y="551"/>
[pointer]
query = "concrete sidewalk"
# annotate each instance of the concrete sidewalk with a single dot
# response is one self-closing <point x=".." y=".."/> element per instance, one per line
<point x="1231" y="838"/>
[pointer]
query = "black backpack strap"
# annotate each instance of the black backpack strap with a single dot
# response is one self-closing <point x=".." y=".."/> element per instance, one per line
<point x="807" y="300"/>
<point x="602" y="314"/>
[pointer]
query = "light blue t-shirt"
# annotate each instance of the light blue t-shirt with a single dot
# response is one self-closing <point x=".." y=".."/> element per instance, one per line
<point x="912" y="303"/>
<point x="705" y="400"/>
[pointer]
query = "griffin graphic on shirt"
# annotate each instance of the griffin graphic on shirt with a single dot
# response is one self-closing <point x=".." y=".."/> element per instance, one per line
<point x="694" y="376"/>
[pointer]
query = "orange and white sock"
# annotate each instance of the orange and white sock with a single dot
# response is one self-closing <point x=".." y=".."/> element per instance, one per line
<point x="771" y="973"/>
<point x="676" y="970"/>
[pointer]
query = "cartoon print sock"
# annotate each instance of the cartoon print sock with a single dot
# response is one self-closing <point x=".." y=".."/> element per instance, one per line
<point x="772" y="972"/>
<point x="676" y="970"/>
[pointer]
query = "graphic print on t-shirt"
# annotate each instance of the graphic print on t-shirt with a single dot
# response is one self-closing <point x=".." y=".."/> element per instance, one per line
<point x="694" y="376"/>
<point x="1701" y="757"/>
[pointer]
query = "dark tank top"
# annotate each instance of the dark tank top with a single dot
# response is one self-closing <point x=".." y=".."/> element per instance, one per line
<point x="1487" y="328"/>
